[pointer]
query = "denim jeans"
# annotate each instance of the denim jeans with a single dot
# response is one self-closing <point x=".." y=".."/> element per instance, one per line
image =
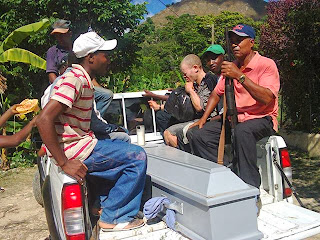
<point x="125" y="164"/>
<point x="103" y="98"/>
<point x="123" y="136"/>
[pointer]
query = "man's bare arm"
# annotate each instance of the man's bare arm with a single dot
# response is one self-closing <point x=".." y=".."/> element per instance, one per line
<point x="212" y="104"/>
<point x="46" y="127"/>
<point x="52" y="76"/>
<point x="259" y="93"/>
<point x="17" y="138"/>
<point x="195" y="99"/>
<point x="8" y="114"/>
<point x="155" y="96"/>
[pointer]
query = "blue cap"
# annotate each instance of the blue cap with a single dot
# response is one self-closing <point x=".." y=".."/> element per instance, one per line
<point x="244" y="30"/>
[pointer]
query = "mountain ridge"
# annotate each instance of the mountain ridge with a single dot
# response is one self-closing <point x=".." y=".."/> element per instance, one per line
<point x="255" y="9"/>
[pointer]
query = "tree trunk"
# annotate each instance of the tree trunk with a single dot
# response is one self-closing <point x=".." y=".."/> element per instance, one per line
<point x="4" y="152"/>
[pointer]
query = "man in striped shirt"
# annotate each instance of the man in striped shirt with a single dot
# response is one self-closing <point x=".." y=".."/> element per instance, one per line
<point x="64" y="126"/>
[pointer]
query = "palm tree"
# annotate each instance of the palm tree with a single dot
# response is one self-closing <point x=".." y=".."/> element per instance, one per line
<point x="8" y="51"/>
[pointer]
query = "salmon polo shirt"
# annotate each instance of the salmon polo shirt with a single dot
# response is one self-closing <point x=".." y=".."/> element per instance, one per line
<point x="264" y="72"/>
<point x="75" y="90"/>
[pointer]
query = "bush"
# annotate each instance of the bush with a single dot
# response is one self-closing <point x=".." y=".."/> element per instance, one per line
<point x="291" y="36"/>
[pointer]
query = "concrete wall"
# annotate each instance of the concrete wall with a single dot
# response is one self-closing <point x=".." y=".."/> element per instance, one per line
<point x="304" y="141"/>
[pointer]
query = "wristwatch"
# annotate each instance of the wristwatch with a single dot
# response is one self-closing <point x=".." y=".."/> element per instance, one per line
<point x="242" y="78"/>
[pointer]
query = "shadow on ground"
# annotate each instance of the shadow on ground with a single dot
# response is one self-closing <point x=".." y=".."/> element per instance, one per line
<point x="306" y="178"/>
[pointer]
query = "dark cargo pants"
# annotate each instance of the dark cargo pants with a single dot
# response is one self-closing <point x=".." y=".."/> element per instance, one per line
<point x="204" y="143"/>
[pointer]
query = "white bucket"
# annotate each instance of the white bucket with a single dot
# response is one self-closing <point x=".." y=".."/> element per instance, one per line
<point x="140" y="135"/>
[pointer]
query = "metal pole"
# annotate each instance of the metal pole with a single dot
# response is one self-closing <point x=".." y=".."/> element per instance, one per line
<point x="212" y="33"/>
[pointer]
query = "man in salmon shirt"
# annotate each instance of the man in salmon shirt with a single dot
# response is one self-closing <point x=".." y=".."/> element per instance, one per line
<point x="64" y="126"/>
<point x="256" y="85"/>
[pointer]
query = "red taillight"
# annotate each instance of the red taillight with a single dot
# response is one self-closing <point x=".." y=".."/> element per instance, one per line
<point x="77" y="237"/>
<point x="285" y="158"/>
<point x="286" y="166"/>
<point x="72" y="212"/>
<point x="287" y="192"/>
<point x="71" y="196"/>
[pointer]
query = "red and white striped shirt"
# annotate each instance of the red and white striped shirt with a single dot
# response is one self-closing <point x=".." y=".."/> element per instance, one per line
<point x="75" y="90"/>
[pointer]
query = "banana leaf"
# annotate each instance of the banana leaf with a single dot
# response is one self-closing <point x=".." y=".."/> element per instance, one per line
<point x="22" y="55"/>
<point x="21" y="33"/>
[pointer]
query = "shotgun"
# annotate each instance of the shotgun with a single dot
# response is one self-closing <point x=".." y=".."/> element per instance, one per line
<point x="231" y="104"/>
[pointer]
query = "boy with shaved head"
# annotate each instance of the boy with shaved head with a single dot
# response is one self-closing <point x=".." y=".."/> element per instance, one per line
<point x="199" y="86"/>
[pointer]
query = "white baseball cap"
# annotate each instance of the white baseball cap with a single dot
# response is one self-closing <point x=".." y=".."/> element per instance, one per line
<point x="91" y="42"/>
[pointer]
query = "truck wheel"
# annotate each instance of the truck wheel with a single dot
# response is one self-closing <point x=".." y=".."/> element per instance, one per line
<point x="36" y="186"/>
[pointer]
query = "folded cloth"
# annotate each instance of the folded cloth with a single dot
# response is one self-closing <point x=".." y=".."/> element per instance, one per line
<point x="155" y="205"/>
<point x="185" y="130"/>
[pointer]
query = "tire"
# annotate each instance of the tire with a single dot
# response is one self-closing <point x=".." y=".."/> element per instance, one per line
<point x="52" y="222"/>
<point x="36" y="186"/>
<point x="41" y="162"/>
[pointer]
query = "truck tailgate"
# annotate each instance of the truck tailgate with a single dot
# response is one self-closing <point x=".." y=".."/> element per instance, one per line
<point x="283" y="220"/>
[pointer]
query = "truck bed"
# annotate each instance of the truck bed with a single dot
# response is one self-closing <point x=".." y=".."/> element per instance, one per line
<point x="283" y="220"/>
<point x="153" y="231"/>
<point x="277" y="220"/>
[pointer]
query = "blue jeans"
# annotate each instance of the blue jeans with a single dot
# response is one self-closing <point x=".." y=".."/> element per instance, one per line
<point x="103" y="98"/>
<point x="125" y="164"/>
<point x="123" y="136"/>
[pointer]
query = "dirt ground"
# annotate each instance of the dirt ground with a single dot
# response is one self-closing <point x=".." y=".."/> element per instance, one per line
<point x="21" y="217"/>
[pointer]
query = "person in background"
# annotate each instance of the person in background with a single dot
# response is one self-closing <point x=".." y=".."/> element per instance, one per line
<point x="101" y="128"/>
<point x="62" y="33"/>
<point x="198" y="86"/>
<point x="102" y="100"/>
<point x="213" y="57"/>
<point x="163" y="118"/>
<point x="64" y="126"/>
<point x="256" y="86"/>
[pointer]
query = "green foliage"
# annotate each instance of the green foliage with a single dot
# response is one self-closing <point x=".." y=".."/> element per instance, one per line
<point x="227" y="20"/>
<point x="25" y="154"/>
<point x="24" y="56"/>
<point x="23" y="157"/>
<point x="109" y="18"/>
<point x="291" y="36"/>
<point x="13" y="126"/>
<point x="18" y="35"/>
<point x="158" y="62"/>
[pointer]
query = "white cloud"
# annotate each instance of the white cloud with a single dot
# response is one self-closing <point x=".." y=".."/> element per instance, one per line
<point x="150" y="14"/>
<point x="175" y="1"/>
<point x="138" y="1"/>
<point x="146" y="16"/>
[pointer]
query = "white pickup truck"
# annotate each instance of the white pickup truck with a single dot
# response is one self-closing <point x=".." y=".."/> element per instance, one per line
<point x="209" y="200"/>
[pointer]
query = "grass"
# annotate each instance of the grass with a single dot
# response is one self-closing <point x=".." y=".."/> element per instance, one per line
<point x="306" y="178"/>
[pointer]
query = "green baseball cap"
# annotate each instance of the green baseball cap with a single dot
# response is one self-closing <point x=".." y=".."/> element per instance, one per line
<point x="216" y="49"/>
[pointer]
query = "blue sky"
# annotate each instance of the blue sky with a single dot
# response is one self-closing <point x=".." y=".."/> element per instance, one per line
<point x="155" y="6"/>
